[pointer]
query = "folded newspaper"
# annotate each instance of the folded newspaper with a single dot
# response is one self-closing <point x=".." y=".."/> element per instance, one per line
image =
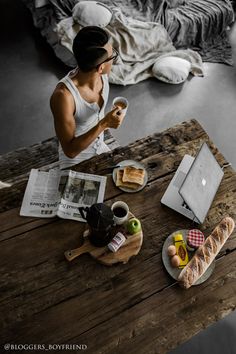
<point x="61" y="193"/>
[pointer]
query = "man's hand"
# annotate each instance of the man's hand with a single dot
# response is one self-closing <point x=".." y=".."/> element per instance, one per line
<point x="113" y="119"/>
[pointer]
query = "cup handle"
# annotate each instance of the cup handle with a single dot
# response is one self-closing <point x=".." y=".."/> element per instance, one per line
<point x="82" y="211"/>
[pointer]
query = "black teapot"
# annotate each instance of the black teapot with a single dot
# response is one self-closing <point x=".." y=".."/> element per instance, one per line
<point x="100" y="219"/>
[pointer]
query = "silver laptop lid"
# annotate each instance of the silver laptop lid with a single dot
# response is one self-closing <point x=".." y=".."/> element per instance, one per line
<point x="201" y="183"/>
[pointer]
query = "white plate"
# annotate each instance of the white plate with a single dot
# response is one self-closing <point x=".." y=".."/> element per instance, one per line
<point x="132" y="163"/>
<point x="174" y="272"/>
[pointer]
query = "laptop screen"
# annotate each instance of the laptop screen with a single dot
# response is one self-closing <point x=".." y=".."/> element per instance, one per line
<point x="201" y="183"/>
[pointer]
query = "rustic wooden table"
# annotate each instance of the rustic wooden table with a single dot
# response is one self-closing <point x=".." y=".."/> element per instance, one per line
<point x="131" y="308"/>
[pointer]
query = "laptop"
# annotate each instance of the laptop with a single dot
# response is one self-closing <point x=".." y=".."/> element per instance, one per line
<point x="194" y="185"/>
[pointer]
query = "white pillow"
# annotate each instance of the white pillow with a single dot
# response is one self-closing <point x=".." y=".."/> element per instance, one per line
<point x="173" y="70"/>
<point x="40" y="3"/>
<point x="91" y="13"/>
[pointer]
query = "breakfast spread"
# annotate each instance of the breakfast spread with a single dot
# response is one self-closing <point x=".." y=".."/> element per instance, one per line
<point x="171" y="251"/>
<point x="178" y="253"/>
<point x="181" y="250"/>
<point x="133" y="175"/>
<point x="130" y="177"/>
<point x="175" y="261"/>
<point x="117" y="241"/>
<point x="174" y="258"/>
<point x="206" y="253"/>
<point x="120" y="183"/>
<point x="133" y="226"/>
<point x="125" y="241"/>
<point x="195" y="239"/>
<point x="120" y="211"/>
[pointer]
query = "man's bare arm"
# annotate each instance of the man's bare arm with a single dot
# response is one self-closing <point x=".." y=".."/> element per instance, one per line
<point x="63" y="107"/>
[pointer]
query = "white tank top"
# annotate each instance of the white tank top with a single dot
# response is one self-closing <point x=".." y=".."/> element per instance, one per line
<point x="87" y="115"/>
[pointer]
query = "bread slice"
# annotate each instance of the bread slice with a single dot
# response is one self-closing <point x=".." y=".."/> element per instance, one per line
<point x="120" y="183"/>
<point x="133" y="175"/>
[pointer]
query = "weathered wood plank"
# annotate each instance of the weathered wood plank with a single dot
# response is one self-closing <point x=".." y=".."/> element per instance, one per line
<point x="157" y="165"/>
<point x="94" y="308"/>
<point x="16" y="164"/>
<point x="35" y="250"/>
<point x="15" y="167"/>
<point x="11" y="223"/>
<point x="135" y="310"/>
<point x="11" y="218"/>
<point x="145" y="204"/>
<point x="26" y="227"/>
<point x="40" y="252"/>
<point x="160" y="142"/>
<point x="20" y="161"/>
<point x="39" y="289"/>
<point x="167" y="318"/>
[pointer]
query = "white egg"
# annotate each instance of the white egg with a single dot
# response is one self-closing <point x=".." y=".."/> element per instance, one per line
<point x="175" y="261"/>
<point x="171" y="250"/>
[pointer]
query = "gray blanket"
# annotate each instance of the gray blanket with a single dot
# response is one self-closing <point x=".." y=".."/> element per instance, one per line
<point x="139" y="43"/>
<point x="196" y="24"/>
<point x="188" y="22"/>
<point x="202" y="25"/>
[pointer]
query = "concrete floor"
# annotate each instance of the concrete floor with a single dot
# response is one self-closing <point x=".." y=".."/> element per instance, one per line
<point x="29" y="72"/>
<point x="210" y="100"/>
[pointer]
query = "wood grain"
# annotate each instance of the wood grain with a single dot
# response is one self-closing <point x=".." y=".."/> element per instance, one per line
<point x="49" y="244"/>
<point x="160" y="142"/>
<point x="135" y="307"/>
<point x="130" y="248"/>
<point x="167" y="318"/>
<point x="15" y="167"/>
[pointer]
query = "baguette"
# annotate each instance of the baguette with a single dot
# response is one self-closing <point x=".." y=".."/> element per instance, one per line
<point x="206" y="253"/>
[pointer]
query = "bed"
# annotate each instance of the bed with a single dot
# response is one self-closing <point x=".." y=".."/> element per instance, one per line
<point x="197" y="25"/>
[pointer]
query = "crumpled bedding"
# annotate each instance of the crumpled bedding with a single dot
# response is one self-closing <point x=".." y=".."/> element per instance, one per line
<point x="197" y="21"/>
<point x="139" y="44"/>
<point x="196" y="24"/>
<point x="142" y="10"/>
<point x="188" y="22"/>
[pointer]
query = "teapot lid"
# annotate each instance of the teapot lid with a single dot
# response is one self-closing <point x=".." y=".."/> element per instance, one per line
<point x="100" y="216"/>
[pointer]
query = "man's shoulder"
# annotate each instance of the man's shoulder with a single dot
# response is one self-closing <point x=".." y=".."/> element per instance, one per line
<point x="61" y="91"/>
<point x="61" y="95"/>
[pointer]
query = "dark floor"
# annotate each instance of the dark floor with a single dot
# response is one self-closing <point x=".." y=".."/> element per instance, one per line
<point x="29" y="72"/>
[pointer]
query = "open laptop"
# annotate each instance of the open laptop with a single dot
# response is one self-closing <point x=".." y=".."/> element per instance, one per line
<point x="194" y="185"/>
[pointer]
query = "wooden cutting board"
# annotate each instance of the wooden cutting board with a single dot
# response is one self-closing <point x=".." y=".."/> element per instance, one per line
<point x="130" y="248"/>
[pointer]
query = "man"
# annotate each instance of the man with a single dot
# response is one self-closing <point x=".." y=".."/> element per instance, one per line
<point x="79" y="100"/>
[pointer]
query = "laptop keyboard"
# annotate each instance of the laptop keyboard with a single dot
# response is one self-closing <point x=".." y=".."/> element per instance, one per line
<point x="184" y="205"/>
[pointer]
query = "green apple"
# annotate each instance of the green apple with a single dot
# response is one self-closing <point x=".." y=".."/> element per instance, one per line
<point x="133" y="226"/>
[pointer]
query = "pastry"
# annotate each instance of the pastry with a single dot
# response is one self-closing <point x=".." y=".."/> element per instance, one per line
<point x="206" y="253"/>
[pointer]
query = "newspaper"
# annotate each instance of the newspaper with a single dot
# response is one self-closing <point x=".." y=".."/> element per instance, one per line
<point x="61" y="193"/>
